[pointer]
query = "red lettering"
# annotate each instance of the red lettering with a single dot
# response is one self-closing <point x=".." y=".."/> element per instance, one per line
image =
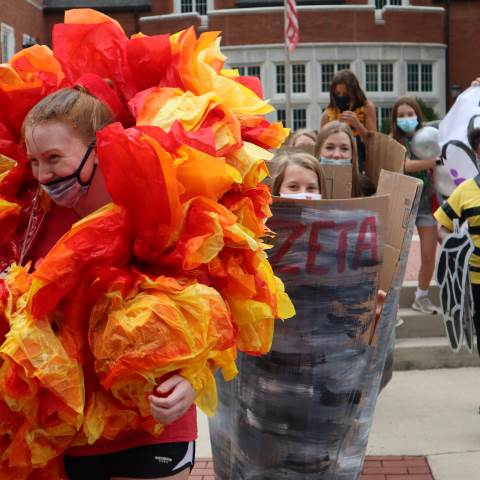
<point x="368" y="225"/>
<point x="297" y="230"/>
<point x="314" y="248"/>
<point x="344" y="228"/>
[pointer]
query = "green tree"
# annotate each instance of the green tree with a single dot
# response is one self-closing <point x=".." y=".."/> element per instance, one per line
<point x="429" y="113"/>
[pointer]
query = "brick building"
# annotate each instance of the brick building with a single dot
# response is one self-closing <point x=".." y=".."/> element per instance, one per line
<point x="423" y="48"/>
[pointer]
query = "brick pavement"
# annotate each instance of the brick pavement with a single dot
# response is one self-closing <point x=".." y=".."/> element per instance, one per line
<point x="375" y="468"/>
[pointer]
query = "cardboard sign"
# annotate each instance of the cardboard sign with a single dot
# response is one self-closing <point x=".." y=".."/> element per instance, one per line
<point x="403" y="191"/>
<point x="456" y="297"/>
<point x="383" y="152"/>
<point x="287" y="415"/>
<point x="338" y="181"/>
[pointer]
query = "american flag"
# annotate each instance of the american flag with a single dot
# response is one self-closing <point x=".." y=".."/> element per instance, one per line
<point x="291" y="25"/>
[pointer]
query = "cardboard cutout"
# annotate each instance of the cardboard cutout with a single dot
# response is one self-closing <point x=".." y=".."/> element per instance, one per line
<point x="383" y="152"/>
<point x="338" y="181"/>
<point x="453" y="278"/>
<point x="305" y="410"/>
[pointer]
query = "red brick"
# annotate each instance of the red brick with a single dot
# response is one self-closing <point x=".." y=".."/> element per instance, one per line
<point x="419" y="469"/>
<point x="409" y="477"/>
<point x="372" y="463"/>
<point x="385" y="470"/>
<point x="372" y="477"/>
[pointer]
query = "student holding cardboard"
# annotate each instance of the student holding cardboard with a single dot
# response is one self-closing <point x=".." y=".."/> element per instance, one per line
<point x="407" y="118"/>
<point x="336" y="146"/>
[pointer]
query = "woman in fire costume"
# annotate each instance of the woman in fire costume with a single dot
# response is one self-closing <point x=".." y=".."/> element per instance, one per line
<point x="137" y="267"/>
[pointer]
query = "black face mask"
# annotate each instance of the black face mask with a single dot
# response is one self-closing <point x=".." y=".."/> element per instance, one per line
<point x="342" y="102"/>
<point x="77" y="172"/>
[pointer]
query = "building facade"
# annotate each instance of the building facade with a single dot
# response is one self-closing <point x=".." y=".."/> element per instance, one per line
<point x="421" y="48"/>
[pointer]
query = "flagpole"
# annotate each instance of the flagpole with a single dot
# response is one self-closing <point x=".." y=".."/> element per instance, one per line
<point x="288" y="81"/>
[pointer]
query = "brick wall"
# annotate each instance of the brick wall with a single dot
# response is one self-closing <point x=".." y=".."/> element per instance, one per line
<point x="464" y="59"/>
<point x="329" y="26"/>
<point x="24" y="18"/>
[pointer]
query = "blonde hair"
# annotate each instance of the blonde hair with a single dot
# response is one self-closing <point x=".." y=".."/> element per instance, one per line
<point x="340" y="127"/>
<point x="73" y="106"/>
<point x="302" y="159"/>
<point x="307" y="132"/>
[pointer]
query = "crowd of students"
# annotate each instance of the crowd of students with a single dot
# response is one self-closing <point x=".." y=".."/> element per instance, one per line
<point x="341" y="140"/>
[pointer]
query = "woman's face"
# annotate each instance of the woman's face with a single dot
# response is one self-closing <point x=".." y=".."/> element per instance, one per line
<point x="298" y="179"/>
<point x="55" y="150"/>
<point x="337" y="146"/>
<point x="341" y="90"/>
<point x="405" y="111"/>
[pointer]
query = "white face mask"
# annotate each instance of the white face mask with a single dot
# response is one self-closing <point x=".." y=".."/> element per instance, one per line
<point x="302" y="196"/>
<point x="333" y="161"/>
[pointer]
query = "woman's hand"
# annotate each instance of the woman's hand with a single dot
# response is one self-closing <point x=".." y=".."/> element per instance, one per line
<point x="349" y="117"/>
<point x="379" y="304"/>
<point x="476" y="82"/>
<point x="176" y="397"/>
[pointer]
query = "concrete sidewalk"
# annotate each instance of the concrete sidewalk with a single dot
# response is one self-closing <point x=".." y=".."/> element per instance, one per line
<point x="432" y="413"/>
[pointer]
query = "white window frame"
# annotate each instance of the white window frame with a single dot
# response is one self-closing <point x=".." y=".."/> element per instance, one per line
<point x="336" y="65"/>
<point x="379" y="110"/>
<point x="177" y="6"/>
<point x="420" y="76"/>
<point x="7" y="35"/>
<point x="292" y="114"/>
<point x="292" y="66"/>
<point x="379" y="77"/>
<point x="246" y="67"/>
<point x="390" y="3"/>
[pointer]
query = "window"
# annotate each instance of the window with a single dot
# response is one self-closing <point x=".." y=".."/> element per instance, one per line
<point x="280" y="78"/>
<point x="28" y="40"/>
<point x="7" y="34"/>
<point x="419" y="77"/>
<point x="328" y="71"/>
<point x="298" y="78"/>
<point x="299" y="116"/>
<point x="299" y="84"/>
<point x="249" y="70"/>
<point x="379" y="77"/>
<point x="383" y="3"/>
<point x="188" y="6"/>
<point x="384" y="119"/>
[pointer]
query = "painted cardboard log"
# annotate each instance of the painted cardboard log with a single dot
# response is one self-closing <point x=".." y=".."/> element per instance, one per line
<point x="456" y="297"/>
<point x="305" y="409"/>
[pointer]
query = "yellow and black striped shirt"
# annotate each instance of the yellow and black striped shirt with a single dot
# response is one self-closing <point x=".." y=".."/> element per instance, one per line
<point x="464" y="205"/>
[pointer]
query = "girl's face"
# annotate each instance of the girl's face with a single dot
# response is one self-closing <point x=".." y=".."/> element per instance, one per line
<point x="298" y="179"/>
<point x="405" y="111"/>
<point x="62" y="162"/>
<point x="341" y="90"/>
<point x="337" y="146"/>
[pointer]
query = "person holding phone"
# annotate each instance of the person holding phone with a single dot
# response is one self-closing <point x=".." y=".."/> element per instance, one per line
<point x="349" y="104"/>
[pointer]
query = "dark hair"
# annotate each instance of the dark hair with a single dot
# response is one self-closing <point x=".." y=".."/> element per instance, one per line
<point x="348" y="78"/>
<point x="74" y="106"/>
<point x="474" y="139"/>
<point x="301" y="159"/>
<point x="396" y="132"/>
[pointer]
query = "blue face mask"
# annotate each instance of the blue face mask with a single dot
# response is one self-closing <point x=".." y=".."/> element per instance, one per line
<point x="407" y="124"/>
<point x="67" y="191"/>
<point x="333" y="161"/>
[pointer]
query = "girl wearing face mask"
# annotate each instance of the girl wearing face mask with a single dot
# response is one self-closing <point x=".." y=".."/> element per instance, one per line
<point x="349" y="104"/>
<point x="298" y="175"/>
<point x="407" y="118"/>
<point x="336" y="145"/>
<point x="59" y="134"/>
